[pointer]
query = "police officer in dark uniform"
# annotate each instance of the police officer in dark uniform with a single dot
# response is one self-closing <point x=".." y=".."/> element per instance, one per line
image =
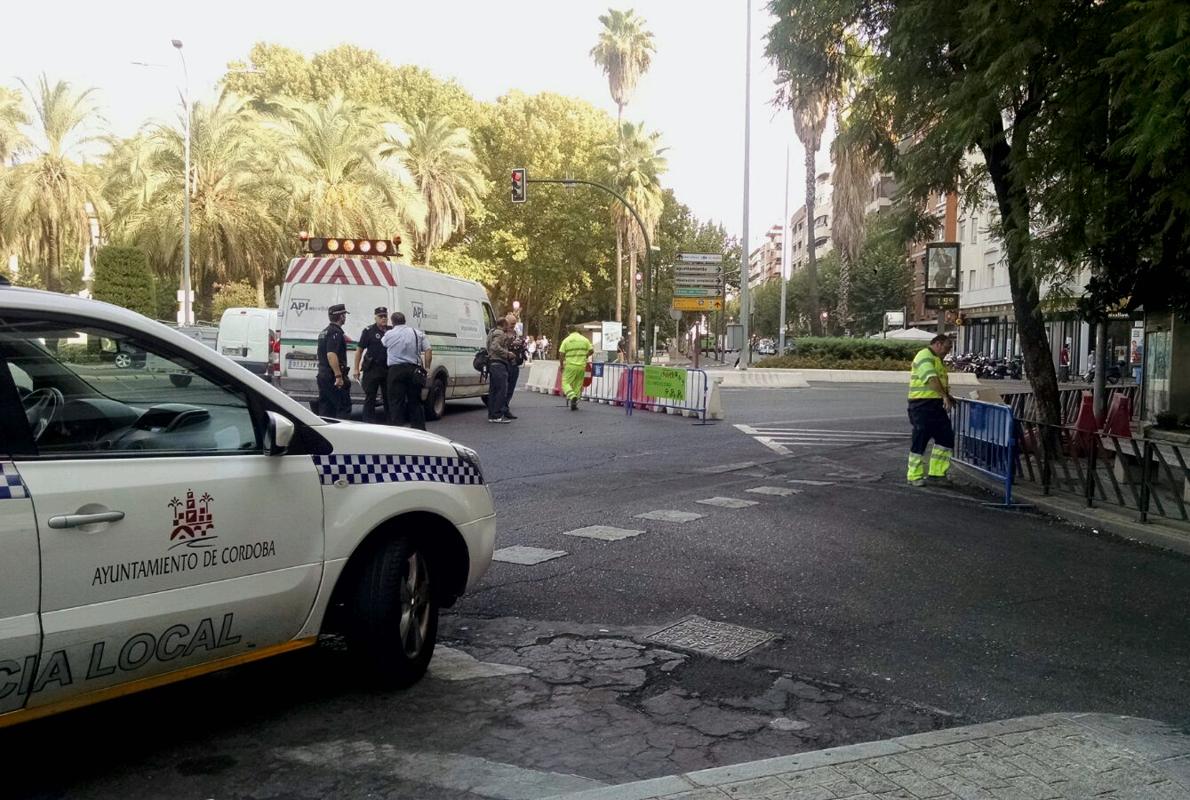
<point x="334" y="385"/>
<point x="373" y="374"/>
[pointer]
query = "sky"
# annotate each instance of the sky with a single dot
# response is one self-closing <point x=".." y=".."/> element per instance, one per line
<point x="693" y="93"/>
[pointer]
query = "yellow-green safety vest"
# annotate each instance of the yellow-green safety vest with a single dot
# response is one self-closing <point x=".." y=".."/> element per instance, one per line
<point x="926" y="365"/>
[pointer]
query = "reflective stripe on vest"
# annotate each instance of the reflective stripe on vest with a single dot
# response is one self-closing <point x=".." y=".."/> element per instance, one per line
<point x="926" y="365"/>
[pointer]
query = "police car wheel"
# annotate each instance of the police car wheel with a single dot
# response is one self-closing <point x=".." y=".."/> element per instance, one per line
<point x="395" y="620"/>
<point x="436" y="402"/>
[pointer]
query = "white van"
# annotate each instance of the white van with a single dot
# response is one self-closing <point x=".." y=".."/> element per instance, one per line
<point x="246" y="336"/>
<point x="455" y="315"/>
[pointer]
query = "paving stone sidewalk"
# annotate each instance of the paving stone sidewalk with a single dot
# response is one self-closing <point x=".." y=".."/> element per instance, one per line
<point x="1048" y="757"/>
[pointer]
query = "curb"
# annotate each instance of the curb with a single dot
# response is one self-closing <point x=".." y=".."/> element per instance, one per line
<point x="1160" y="745"/>
<point x="1098" y="519"/>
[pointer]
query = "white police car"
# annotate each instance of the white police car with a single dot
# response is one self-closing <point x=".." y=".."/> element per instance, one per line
<point x="152" y="529"/>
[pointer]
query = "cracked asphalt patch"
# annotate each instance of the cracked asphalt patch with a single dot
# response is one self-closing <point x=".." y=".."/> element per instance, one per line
<point x="550" y="707"/>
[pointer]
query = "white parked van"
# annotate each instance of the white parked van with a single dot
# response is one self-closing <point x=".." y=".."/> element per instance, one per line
<point x="455" y="315"/>
<point x="246" y="336"/>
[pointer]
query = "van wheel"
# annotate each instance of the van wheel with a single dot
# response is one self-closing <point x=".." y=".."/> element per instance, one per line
<point x="394" y="621"/>
<point x="436" y="402"/>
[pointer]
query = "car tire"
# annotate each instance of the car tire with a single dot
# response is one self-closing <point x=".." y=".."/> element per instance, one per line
<point x="181" y="381"/>
<point x="394" y="621"/>
<point x="123" y="360"/>
<point x="436" y="401"/>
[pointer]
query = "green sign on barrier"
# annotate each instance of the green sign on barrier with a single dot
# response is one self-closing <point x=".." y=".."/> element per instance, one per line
<point x="666" y="382"/>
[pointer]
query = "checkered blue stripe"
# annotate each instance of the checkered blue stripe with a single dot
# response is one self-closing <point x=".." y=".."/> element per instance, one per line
<point x="393" y="469"/>
<point x="11" y="485"/>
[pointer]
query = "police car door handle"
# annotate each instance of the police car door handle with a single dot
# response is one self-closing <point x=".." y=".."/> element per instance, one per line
<point x="78" y="520"/>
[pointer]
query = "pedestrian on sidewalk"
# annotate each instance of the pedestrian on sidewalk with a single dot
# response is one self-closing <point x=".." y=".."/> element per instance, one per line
<point x="574" y="353"/>
<point x="371" y="366"/>
<point x="929" y="412"/>
<point x="531" y="349"/>
<point x="518" y="348"/>
<point x="408" y="359"/>
<point x="499" y="356"/>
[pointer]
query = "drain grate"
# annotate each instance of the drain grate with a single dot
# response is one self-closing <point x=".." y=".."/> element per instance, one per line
<point x="716" y="639"/>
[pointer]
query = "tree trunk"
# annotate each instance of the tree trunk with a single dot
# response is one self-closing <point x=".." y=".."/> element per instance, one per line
<point x="260" y="290"/>
<point x="619" y="273"/>
<point x="1013" y="203"/>
<point x="632" y="326"/>
<point x="426" y="254"/>
<point x="811" y="258"/>
<point x="53" y="269"/>
<point x="1099" y="389"/>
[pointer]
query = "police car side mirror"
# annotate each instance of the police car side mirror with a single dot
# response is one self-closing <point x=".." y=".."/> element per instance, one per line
<point x="278" y="434"/>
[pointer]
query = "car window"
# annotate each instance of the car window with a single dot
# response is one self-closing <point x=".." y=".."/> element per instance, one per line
<point x="88" y="390"/>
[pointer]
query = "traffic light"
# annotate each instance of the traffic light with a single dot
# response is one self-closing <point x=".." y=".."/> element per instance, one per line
<point x="518" y="185"/>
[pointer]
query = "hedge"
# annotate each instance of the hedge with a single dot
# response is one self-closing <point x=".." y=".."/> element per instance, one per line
<point x="841" y="348"/>
<point x="822" y="362"/>
<point x="122" y="278"/>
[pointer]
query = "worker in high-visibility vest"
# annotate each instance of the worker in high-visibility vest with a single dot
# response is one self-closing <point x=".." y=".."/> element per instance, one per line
<point x="574" y="352"/>
<point x="929" y="411"/>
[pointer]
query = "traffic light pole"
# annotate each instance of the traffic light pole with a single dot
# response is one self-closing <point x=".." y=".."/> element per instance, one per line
<point x="648" y="316"/>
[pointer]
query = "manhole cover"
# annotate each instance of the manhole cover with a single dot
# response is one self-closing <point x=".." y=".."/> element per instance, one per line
<point x="716" y="639"/>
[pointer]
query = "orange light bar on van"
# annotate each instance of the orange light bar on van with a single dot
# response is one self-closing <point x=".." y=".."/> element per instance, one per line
<point x="317" y="245"/>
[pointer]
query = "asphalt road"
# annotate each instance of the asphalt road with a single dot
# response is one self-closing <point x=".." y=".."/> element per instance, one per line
<point x="894" y="610"/>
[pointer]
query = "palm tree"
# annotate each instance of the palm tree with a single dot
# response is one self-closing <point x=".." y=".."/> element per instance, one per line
<point x="810" y="111"/>
<point x="624" y="52"/>
<point x="636" y="163"/>
<point x="442" y="161"/>
<point x="810" y="79"/>
<point x="44" y="201"/>
<point x="340" y="185"/>
<point x="851" y="183"/>
<point x="236" y="196"/>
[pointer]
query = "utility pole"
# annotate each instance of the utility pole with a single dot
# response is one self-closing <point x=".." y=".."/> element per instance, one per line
<point x="187" y="308"/>
<point x="784" y="257"/>
<point x="746" y="345"/>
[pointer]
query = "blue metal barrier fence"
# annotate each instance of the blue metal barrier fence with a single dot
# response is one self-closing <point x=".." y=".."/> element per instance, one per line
<point x="985" y="440"/>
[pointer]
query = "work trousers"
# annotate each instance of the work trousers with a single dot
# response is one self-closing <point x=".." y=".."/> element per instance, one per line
<point x="930" y="421"/>
<point x="375" y="378"/>
<point x="514" y="375"/>
<point x="404" y="397"/>
<point x="333" y="401"/>
<point x="572" y="379"/>
<point x="497" y="388"/>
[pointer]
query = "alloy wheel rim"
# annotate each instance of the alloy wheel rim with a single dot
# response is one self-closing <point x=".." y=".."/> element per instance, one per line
<point x="415" y="606"/>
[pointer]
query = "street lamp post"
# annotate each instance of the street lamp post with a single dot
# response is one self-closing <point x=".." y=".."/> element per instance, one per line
<point x="745" y="346"/>
<point x="187" y="313"/>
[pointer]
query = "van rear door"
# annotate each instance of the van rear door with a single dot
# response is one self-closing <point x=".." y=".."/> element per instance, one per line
<point x="312" y="286"/>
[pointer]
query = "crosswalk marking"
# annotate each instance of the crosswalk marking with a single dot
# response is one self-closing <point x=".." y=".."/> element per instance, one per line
<point x="780" y="438"/>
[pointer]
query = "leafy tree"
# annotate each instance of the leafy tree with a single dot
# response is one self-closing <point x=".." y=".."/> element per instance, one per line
<point x="237" y="294"/>
<point x="549" y="253"/>
<point x="442" y="162"/>
<point x="624" y="52"/>
<point x="44" y="201"/>
<point x="946" y="80"/>
<point x="12" y="119"/>
<point x="122" y="277"/>
<point x="406" y="92"/>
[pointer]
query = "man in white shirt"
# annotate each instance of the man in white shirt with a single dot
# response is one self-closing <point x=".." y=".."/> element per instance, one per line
<point x="409" y="358"/>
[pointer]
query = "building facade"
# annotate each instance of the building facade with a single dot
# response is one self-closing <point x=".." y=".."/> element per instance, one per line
<point x="764" y="262"/>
